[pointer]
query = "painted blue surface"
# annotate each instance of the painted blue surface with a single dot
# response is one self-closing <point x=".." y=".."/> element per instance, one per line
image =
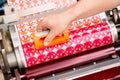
<point x="2" y="2"/>
<point x="2" y="8"/>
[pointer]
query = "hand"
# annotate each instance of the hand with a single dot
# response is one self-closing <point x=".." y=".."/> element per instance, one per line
<point x="57" y="23"/>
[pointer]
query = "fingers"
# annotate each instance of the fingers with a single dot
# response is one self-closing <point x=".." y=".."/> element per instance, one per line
<point x="41" y="26"/>
<point x="44" y="26"/>
<point x="39" y="29"/>
<point x="49" y="38"/>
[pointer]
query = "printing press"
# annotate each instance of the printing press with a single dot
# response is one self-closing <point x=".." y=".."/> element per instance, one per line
<point x="90" y="50"/>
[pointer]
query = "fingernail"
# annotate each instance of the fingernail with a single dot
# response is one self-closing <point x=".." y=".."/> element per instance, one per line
<point x="46" y="43"/>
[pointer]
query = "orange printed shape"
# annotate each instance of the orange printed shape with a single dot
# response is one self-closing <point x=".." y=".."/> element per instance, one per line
<point x="21" y="4"/>
<point x="22" y="32"/>
<point x="13" y="1"/>
<point x="79" y="26"/>
<point x="25" y="39"/>
<point x="39" y="40"/>
<point x="70" y="28"/>
<point x="96" y="21"/>
<point x="87" y="23"/>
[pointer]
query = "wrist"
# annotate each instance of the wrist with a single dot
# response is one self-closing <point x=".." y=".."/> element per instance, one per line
<point x="74" y="12"/>
<point x="69" y="15"/>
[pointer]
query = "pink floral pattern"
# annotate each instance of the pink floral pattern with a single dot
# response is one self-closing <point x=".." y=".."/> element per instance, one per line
<point x="81" y="39"/>
<point x="24" y="4"/>
<point x="85" y="34"/>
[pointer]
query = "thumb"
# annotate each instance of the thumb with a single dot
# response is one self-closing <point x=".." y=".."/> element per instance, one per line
<point x="49" y="37"/>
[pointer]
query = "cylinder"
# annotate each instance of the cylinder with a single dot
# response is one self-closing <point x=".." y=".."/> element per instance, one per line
<point x="81" y="39"/>
<point x="85" y="34"/>
<point x="23" y="42"/>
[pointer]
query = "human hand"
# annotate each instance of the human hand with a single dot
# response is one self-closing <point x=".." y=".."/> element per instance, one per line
<point x="56" y="23"/>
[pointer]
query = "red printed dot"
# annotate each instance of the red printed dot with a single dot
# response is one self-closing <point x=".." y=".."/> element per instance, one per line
<point x="32" y="61"/>
<point x="78" y="48"/>
<point x="107" y="40"/>
<point x="51" y="55"/>
<point x="49" y="48"/>
<point x="102" y="29"/>
<point x="82" y="29"/>
<point x="42" y="58"/>
<point x="97" y="43"/>
<point x="76" y="36"/>
<point x="68" y="43"/>
<point x="60" y="53"/>
<point x="104" y="24"/>
<point x="58" y="46"/>
<point x="88" y="45"/>
<point x="72" y="32"/>
<point x="69" y="50"/>
<point x="84" y="34"/>
<point x="28" y="45"/>
<point x="94" y="31"/>
<point x="30" y="52"/>
<point x="41" y="51"/>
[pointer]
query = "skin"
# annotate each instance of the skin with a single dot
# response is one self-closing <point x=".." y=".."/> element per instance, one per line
<point x="84" y="8"/>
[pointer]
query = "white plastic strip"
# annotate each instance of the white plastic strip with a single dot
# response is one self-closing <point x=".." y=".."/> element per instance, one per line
<point x="42" y="33"/>
<point x="47" y="6"/>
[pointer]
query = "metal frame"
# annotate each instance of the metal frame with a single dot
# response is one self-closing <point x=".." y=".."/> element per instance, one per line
<point x="84" y="70"/>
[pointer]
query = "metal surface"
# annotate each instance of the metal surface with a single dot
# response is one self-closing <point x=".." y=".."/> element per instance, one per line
<point x="5" y="40"/>
<point x="113" y="31"/>
<point x="103" y="16"/>
<point x="37" y="9"/>
<point x="1" y="75"/>
<point x="19" y="58"/>
<point x="14" y="36"/>
<point x="2" y="65"/>
<point x="17" y="47"/>
<point x="12" y="60"/>
<point x="9" y="47"/>
<point x="0" y="35"/>
<point x="115" y="15"/>
<point x="84" y="71"/>
<point x="1" y="19"/>
<point x="17" y="74"/>
<point x="38" y="16"/>
<point x="119" y="12"/>
<point x="4" y="55"/>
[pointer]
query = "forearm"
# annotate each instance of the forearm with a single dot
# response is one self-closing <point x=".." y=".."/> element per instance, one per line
<point x="86" y="8"/>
